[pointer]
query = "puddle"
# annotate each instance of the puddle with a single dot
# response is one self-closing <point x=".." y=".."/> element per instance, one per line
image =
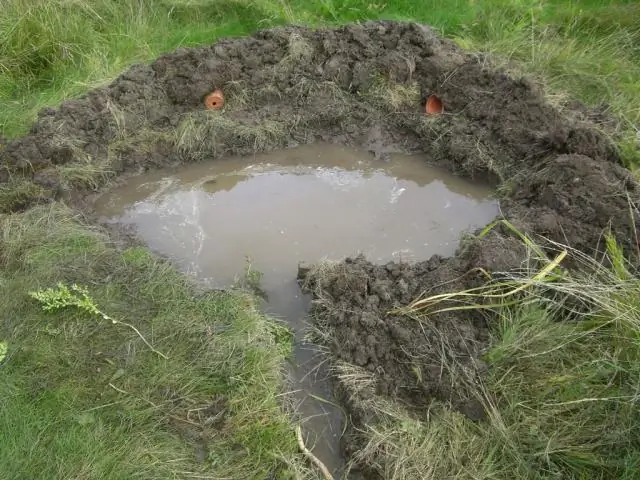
<point x="299" y="205"/>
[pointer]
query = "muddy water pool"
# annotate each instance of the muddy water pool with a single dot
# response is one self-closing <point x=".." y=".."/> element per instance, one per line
<point x="304" y="204"/>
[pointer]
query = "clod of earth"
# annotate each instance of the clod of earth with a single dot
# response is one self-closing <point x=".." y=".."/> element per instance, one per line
<point x="558" y="174"/>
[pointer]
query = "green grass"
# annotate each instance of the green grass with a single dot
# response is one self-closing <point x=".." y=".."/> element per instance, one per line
<point x="85" y="398"/>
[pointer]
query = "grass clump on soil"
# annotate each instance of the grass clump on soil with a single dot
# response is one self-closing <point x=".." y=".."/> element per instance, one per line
<point x="85" y="397"/>
<point x="299" y="50"/>
<point x="14" y="195"/>
<point x="394" y="97"/>
<point x="561" y="390"/>
<point x="83" y="175"/>
<point x="200" y="134"/>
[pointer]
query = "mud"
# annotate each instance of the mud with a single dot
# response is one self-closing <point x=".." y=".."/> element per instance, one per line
<point x="558" y="174"/>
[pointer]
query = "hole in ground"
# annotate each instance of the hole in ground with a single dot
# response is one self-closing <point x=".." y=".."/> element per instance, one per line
<point x="305" y="204"/>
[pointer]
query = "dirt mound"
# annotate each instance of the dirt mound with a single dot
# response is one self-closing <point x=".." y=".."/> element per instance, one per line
<point x="558" y="175"/>
<point x="362" y="85"/>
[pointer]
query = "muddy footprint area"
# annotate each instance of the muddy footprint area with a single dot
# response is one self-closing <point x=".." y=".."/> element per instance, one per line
<point x="558" y="175"/>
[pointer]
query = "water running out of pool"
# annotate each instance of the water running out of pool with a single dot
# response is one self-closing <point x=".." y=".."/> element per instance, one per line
<point x="304" y="204"/>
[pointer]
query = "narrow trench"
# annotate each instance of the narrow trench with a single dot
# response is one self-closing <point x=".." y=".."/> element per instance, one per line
<point x="306" y="204"/>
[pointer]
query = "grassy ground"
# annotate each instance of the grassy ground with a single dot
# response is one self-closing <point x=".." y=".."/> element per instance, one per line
<point x="561" y="392"/>
<point x="83" y="398"/>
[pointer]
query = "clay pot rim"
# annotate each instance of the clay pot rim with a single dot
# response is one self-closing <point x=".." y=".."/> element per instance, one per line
<point x="434" y="105"/>
<point x="214" y="100"/>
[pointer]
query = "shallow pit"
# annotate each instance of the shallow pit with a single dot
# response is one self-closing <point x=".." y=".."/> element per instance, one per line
<point x="299" y="205"/>
<point x="305" y="204"/>
<point x="558" y="173"/>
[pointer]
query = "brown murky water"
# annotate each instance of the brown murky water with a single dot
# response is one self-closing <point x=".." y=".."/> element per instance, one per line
<point x="300" y="205"/>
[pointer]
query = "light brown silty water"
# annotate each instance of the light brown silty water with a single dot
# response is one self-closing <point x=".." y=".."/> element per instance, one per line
<point x="304" y="204"/>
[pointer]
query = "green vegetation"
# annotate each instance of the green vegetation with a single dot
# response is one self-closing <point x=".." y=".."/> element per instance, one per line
<point x="561" y="392"/>
<point x="86" y="389"/>
<point x="83" y="397"/>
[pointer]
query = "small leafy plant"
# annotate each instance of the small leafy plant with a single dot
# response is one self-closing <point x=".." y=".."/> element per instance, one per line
<point x="55" y="299"/>
<point x="63" y="296"/>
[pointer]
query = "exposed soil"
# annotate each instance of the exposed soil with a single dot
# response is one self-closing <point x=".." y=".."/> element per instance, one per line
<point x="365" y="85"/>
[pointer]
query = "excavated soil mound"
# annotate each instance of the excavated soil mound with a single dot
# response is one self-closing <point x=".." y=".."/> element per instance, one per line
<point x="364" y="85"/>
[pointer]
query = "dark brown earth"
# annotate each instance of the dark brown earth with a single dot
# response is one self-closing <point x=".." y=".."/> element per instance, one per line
<point x="558" y="175"/>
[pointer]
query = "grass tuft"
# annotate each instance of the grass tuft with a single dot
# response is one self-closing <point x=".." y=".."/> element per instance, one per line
<point x="17" y="194"/>
<point x="394" y="97"/>
<point x="299" y="51"/>
<point x="209" y="133"/>
<point x="84" y="174"/>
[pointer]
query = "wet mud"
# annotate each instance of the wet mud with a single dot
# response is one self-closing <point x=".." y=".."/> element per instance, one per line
<point x="558" y="173"/>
